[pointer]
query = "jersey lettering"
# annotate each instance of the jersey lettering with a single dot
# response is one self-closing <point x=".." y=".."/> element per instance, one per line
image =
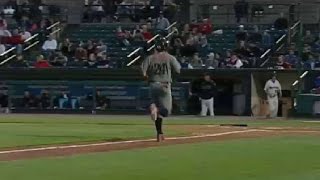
<point x="159" y="68"/>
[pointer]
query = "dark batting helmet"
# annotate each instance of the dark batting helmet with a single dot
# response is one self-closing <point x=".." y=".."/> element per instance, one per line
<point x="161" y="45"/>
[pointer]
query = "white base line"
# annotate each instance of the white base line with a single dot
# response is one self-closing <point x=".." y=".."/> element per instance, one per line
<point x="128" y="142"/>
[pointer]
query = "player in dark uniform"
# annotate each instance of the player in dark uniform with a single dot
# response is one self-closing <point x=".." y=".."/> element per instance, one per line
<point x="157" y="68"/>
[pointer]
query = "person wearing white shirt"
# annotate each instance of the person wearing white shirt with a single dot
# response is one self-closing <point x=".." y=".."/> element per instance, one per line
<point x="235" y="62"/>
<point x="2" y="49"/>
<point x="273" y="90"/>
<point x="50" y="44"/>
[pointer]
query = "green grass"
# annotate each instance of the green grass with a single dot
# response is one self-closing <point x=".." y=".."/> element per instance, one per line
<point x="36" y="130"/>
<point x="277" y="158"/>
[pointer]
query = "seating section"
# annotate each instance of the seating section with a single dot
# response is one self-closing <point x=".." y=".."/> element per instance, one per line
<point x="116" y="51"/>
<point x="219" y="43"/>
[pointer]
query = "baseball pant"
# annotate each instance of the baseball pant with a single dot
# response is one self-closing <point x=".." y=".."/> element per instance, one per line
<point x="207" y="104"/>
<point x="273" y="106"/>
<point x="161" y="96"/>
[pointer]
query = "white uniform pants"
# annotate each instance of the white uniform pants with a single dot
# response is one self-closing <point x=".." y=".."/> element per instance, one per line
<point x="273" y="106"/>
<point x="205" y="105"/>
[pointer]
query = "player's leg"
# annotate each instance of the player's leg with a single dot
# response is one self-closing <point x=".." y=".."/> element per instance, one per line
<point x="165" y="107"/>
<point x="276" y="107"/>
<point x="204" y="107"/>
<point x="272" y="107"/>
<point x="211" y="104"/>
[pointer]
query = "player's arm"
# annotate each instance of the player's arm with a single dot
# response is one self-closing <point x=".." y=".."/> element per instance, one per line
<point x="144" y="67"/>
<point x="266" y="87"/>
<point x="176" y="65"/>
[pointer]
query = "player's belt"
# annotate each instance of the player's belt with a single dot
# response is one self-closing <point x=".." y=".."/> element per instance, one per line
<point x="160" y="82"/>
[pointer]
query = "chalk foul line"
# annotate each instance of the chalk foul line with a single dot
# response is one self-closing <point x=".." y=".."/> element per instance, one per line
<point x="127" y="142"/>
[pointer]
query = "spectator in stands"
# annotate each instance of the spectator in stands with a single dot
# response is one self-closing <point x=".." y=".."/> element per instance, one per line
<point x="205" y="27"/>
<point x="203" y="46"/>
<point x="309" y="38"/>
<point x="241" y="10"/>
<point x="102" y="102"/>
<point x="50" y="45"/>
<point x="225" y="61"/>
<point x="97" y="10"/>
<point x="291" y="58"/>
<point x="161" y="23"/>
<point x="16" y="38"/>
<point x="81" y="54"/>
<point x="146" y="34"/>
<point x="306" y="52"/>
<point x="101" y="47"/>
<point x="243" y="50"/>
<point x="29" y="100"/>
<point x="242" y="34"/>
<point x="190" y="47"/>
<point x="59" y="60"/>
<point x="235" y="62"/>
<point x="19" y="62"/>
<point x="66" y="47"/>
<point x="212" y="62"/>
<point x="281" y="23"/>
<point x="281" y="64"/>
<point x="102" y="61"/>
<point x="91" y="63"/>
<point x="185" y="31"/>
<point x="266" y="40"/>
<point x="2" y="47"/>
<point x="176" y="47"/>
<point x="25" y="34"/>
<point x="44" y="24"/>
<point x="123" y="36"/>
<point x="3" y="24"/>
<point x="196" y="62"/>
<point x="311" y="63"/>
<point x="45" y="100"/>
<point x="255" y="36"/>
<point x="184" y="63"/>
<point x="203" y="41"/>
<point x="41" y="62"/>
<point x="90" y="46"/>
<point x="137" y="34"/>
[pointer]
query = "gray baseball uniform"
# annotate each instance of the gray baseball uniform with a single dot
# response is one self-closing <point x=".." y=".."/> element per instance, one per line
<point x="158" y="67"/>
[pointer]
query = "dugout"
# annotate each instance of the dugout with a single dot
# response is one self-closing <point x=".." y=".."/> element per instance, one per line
<point x="239" y="90"/>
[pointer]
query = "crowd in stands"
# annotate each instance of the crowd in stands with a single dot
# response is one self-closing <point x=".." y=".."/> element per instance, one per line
<point x="135" y="10"/>
<point x="28" y="21"/>
<point x="94" y="52"/>
<point x="191" y="46"/>
<point x="310" y="54"/>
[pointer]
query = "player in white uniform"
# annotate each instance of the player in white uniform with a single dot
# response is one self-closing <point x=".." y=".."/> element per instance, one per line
<point x="273" y="91"/>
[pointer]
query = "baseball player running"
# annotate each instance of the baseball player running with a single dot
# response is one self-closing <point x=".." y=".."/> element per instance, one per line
<point x="157" y="69"/>
<point x="273" y="91"/>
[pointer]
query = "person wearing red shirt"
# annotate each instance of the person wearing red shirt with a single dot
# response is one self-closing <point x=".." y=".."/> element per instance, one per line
<point x="205" y="27"/>
<point x="41" y="62"/>
<point x="146" y="34"/>
<point x="16" y="38"/>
